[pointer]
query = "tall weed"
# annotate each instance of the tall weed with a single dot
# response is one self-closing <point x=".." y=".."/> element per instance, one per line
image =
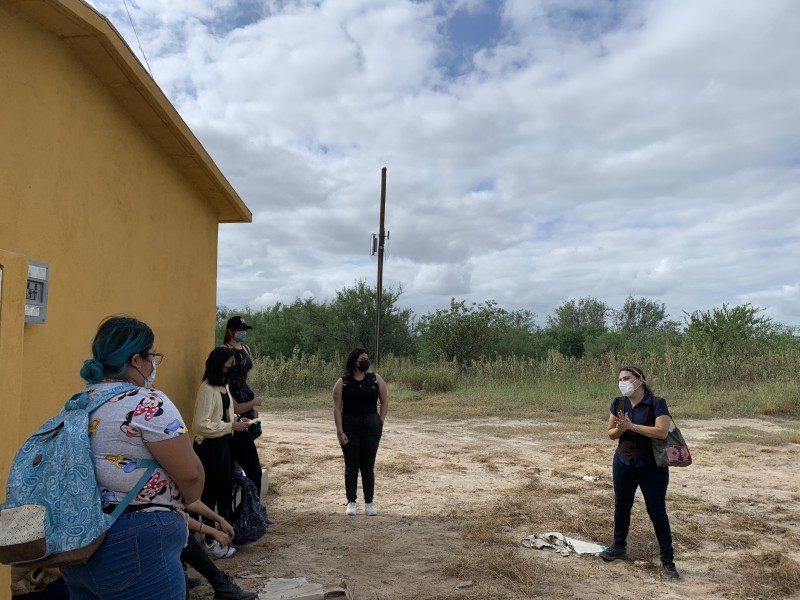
<point x="694" y="383"/>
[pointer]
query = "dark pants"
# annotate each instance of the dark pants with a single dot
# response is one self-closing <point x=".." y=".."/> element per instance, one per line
<point x="57" y="590"/>
<point x="218" y="488"/>
<point x="194" y="556"/>
<point x="363" y="437"/>
<point x="653" y="482"/>
<point x="243" y="451"/>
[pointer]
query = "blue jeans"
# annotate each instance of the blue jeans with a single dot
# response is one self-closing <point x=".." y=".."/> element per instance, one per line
<point x="140" y="557"/>
<point x="653" y="481"/>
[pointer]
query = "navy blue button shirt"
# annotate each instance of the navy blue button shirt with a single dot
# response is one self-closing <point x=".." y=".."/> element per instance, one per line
<point x="638" y="414"/>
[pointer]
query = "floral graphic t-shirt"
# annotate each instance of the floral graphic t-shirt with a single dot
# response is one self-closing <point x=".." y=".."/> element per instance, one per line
<point x="118" y="431"/>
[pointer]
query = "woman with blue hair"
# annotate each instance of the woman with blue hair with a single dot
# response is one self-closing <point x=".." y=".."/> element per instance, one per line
<point x="140" y="554"/>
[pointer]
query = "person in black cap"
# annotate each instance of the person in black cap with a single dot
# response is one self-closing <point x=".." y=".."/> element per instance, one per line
<point x="242" y="444"/>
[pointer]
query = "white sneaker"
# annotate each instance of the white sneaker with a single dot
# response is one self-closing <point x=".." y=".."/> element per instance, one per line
<point x="351" y="509"/>
<point x="370" y="509"/>
<point x="215" y="551"/>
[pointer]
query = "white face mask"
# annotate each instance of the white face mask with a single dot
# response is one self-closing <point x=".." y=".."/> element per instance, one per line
<point x="148" y="381"/>
<point x="626" y="387"/>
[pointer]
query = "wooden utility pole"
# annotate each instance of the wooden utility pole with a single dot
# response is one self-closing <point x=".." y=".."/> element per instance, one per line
<point x="379" y="296"/>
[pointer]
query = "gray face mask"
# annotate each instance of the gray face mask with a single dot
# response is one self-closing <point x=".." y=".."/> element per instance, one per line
<point x="240" y="336"/>
<point x="148" y="381"/>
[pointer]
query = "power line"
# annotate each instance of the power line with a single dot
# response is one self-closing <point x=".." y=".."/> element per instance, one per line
<point x="149" y="70"/>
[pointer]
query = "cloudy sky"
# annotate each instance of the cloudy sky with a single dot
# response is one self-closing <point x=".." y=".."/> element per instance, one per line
<point x="537" y="150"/>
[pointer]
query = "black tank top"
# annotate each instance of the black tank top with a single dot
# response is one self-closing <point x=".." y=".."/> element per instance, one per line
<point x="360" y="398"/>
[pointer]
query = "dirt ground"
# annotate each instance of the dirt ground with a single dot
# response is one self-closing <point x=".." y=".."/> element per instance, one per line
<point x="456" y="497"/>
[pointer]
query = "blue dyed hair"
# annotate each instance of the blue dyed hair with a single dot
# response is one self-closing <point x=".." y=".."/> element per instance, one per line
<point x="117" y="340"/>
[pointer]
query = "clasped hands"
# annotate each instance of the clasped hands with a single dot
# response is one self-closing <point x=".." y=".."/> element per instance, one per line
<point x="623" y="422"/>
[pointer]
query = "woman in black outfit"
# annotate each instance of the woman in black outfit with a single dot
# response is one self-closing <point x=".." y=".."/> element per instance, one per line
<point x="359" y="426"/>
<point x="242" y="443"/>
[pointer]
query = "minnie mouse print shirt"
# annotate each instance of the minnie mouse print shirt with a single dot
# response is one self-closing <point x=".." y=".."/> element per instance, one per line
<point x="118" y="431"/>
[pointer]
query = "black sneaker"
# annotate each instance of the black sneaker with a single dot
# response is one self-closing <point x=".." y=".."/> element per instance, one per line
<point x="669" y="571"/>
<point x="614" y="552"/>
<point x="230" y="591"/>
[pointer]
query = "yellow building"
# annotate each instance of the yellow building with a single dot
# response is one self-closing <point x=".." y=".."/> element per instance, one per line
<point x="108" y="193"/>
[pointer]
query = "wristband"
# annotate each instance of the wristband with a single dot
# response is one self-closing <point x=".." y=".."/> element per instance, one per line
<point x="340" y="433"/>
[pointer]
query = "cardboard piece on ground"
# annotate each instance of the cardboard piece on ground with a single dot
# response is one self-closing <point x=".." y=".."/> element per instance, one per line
<point x="296" y="588"/>
<point x="561" y="543"/>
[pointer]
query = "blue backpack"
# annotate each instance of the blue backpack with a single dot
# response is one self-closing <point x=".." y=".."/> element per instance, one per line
<point x="53" y="514"/>
<point x="249" y="519"/>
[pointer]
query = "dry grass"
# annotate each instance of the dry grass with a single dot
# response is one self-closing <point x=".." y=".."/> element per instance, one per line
<point x="510" y="480"/>
<point x="400" y="464"/>
<point x="504" y="567"/>
<point x="281" y="455"/>
<point x="768" y="575"/>
<point x="747" y="435"/>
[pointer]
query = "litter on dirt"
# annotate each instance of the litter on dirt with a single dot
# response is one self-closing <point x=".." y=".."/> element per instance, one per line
<point x="296" y="588"/>
<point x="560" y="543"/>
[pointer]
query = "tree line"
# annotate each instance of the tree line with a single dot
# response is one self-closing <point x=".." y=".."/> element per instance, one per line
<point x="462" y="333"/>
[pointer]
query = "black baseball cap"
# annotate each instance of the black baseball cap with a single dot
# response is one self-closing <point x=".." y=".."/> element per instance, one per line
<point x="237" y="323"/>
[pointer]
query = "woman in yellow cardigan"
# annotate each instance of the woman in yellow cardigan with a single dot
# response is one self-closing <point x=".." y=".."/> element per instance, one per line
<point x="212" y="427"/>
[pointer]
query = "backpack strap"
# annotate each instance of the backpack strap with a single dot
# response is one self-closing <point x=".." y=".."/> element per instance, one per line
<point x="83" y="401"/>
<point x="152" y="465"/>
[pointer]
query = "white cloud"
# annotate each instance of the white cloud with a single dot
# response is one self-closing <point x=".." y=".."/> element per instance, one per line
<point x="646" y="148"/>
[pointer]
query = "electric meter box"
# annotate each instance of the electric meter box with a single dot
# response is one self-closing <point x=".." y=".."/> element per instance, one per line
<point x="36" y="295"/>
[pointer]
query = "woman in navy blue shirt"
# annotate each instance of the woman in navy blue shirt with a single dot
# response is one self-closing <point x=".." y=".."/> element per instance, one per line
<point x="637" y="417"/>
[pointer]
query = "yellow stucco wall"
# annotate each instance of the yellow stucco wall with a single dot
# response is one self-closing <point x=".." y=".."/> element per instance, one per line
<point x="86" y="190"/>
<point x="117" y="197"/>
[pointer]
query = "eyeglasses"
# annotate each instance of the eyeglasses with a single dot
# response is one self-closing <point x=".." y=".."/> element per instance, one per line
<point x="157" y="356"/>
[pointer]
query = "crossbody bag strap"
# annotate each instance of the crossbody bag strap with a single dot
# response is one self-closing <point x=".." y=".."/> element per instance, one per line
<point x="152" y="465"/>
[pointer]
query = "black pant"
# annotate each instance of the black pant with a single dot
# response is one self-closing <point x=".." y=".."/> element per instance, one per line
<point x="57" y="590"/>
<point x="243" y="451"/>
<point x="363" y="437"/>
<point x="217" y="494"/>
<point x="194" y="556"/>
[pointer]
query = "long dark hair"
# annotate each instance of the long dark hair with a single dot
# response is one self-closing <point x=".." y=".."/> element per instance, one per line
<point x="215" y="363"/>
<point x="350" y="364"/>
<point x="639" y="375"/>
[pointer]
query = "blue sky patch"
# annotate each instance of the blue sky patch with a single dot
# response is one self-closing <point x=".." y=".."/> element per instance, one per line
<point x="242" y="14"/>
<point x="544" y="231"/>
<point x="591" y="21"/>
<point x="485" y="185"/>
<point x="466" y="32"/>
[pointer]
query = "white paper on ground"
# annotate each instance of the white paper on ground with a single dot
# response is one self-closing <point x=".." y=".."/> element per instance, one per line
<point x="561" y="543"/>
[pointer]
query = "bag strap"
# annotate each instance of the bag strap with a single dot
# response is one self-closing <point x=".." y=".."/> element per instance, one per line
<point x="90" y="404"/>
<point x="652" y="412"/>
<point x="152" y="464"/>
<point x="83" y="401"/>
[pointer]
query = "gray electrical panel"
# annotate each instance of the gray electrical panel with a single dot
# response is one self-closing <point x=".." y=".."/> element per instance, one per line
<point x="36" y="294"/>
